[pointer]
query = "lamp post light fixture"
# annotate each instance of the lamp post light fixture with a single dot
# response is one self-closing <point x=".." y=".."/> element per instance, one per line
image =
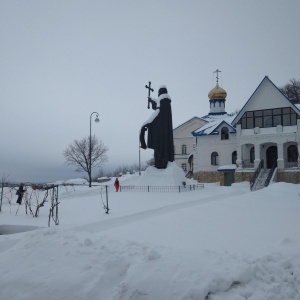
<point x="90" y="156"/>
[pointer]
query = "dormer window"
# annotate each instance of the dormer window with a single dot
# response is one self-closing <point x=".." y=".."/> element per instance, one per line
<point x="224" y="133"/>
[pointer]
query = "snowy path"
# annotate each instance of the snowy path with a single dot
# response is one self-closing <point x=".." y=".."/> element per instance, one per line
<point x="141" y="216"/>
<point x="217" y="243"/>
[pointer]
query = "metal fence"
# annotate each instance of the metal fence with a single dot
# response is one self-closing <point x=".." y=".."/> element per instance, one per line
<point x="149" y="188"/>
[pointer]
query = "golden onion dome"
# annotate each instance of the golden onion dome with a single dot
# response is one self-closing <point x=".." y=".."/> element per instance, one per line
<point x="217" y="93"/>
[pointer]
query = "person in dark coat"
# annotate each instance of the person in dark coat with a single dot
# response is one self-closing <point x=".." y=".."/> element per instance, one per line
<point x="20" y="192"/>
<point x="160" y="130"/>
<point x="117" y="184"/>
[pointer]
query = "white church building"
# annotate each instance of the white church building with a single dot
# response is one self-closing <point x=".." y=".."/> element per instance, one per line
<point x="258" y="144"/>
<point x="184" y="143"/>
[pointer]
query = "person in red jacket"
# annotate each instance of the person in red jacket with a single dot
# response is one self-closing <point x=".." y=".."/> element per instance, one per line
<point x="117" y="184"/>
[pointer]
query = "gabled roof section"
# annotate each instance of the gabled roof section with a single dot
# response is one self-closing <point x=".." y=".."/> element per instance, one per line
<point x="215" y="117"/>
<point x="189" y="121"/>
<point x="266" y="96"/>
<point x="213" y="127"/>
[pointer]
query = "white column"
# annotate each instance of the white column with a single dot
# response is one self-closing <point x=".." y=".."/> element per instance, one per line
<point x="257" y="155"/>
<point x="297" y="140"/>
<point x="239" y="156"/>
<point x="280" y="159"/>
<point x="239" y="146"/>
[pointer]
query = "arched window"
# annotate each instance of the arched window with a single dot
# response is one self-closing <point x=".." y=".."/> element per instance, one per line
<point x="292" y="153"/>
<point x="252" y="155"/>
<point x="183" y="166"/>
<point x="233" y="157"/>
<point x="214" y="159"/>
<point x="183" y="149"/>
<point x="224" y="133"/>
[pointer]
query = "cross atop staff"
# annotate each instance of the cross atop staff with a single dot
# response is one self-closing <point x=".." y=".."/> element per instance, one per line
<point x="217" y="71"/>
<point x="149" y="90"/>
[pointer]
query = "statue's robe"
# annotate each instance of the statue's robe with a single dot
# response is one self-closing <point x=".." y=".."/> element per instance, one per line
<point x="160" y="133"/>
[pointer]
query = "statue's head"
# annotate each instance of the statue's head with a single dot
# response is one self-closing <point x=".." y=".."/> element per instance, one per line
<point x="162" y="90"/>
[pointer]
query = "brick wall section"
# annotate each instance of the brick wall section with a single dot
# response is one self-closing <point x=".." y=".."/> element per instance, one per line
<point x="209" y="177"/>
<point x="291" y="177"/>
<point x="243" y="176"/>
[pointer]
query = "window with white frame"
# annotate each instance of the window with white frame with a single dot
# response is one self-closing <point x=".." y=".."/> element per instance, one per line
<point x="214" y="159"/>
<point x="183" y="149"/>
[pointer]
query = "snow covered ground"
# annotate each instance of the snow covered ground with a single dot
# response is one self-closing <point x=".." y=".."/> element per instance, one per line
<point x="214" y="243"/>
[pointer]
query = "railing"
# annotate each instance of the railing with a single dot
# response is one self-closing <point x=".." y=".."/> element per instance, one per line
<point x="189" y="174"/>
<point x="179" y="189"/>
<point x="271" y="174"/>
<point x="255" y="175"/>
<point x="246" y="163"/>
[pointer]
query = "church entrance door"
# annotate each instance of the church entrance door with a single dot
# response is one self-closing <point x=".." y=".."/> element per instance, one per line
<point x="271" y="156"/>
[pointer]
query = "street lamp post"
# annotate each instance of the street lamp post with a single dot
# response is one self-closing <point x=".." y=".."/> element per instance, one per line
<point x="139" y="156"/>
<point x="90" y="156"/>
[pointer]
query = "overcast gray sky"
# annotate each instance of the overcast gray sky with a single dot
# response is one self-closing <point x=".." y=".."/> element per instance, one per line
<point x="61" y="60"/>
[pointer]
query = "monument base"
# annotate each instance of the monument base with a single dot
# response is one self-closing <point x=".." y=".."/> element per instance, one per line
<point x="171" y="176"/>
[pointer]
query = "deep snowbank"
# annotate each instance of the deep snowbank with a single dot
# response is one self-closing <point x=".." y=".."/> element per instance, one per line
<point x="216" y="243"/>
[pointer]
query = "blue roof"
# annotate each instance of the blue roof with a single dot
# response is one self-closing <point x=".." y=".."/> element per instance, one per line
<point x="213" y="127"/>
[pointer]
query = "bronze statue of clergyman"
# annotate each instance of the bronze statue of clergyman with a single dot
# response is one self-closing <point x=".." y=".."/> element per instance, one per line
<point x="160" y="129"/>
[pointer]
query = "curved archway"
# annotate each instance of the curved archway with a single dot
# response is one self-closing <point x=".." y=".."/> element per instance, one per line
<point x="271" y="155"/>
<point x="292" y="153"/>
<point x="252" y="155"/>
<point x="233" y="157"/>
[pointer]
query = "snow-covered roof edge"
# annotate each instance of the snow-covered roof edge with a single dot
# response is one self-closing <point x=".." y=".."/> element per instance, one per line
<point x="241" y="112"/>
<point x="209" y="128"/>
<point x="228" y="168"/>
<point x="198" y="118"/>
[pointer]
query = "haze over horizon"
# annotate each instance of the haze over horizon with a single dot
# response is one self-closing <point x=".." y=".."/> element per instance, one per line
<point x="62" y="60"/>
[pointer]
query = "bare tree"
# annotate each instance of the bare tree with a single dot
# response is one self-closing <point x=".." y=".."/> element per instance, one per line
<point x="235" y="112"/>
<point x="99" y="174"/>
<point x="3" y="183"/>
<point x="123" y="169"/>
<point x="78" y="154"/>
<point x="292" y="91"/>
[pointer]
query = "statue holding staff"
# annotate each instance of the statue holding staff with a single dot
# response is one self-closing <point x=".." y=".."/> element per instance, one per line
<point x="160" y="129"/>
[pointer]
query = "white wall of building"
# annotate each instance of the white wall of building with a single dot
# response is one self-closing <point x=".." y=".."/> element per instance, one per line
<point x="182" y="135"/>
<point x="208" y="144"/>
